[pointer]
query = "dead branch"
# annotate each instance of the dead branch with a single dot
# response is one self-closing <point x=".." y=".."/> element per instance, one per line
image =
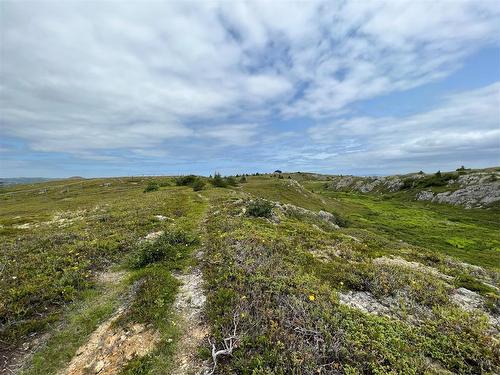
<point x="229" y="344"/>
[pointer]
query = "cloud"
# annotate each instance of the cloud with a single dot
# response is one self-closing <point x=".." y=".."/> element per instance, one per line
<point x="92" y="78"/>
<point x="232" y="134"/>
<point x="464" y="124"/>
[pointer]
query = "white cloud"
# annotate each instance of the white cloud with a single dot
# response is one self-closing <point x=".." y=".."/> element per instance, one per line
<point x="232" y="134"/>
<point x="466" y="123"/>
<point x="89" y="77"/>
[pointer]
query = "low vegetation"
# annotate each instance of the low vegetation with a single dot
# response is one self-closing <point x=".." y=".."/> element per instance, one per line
<point x="260" y="208"/>
<point x="298" y="278"/>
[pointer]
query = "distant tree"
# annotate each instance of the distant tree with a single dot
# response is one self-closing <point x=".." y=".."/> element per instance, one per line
<point x="438" y="174"/>
<point x="243" y="179"/>
<point x="277" y="171"/>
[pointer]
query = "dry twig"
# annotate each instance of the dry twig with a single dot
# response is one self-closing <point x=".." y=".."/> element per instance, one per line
<point x="229" y="344"/>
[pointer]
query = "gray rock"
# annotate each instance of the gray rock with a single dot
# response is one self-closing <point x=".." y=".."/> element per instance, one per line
<point x="363" y="301"/>
<point x="425" y="195"/>
<point x="475" y="195"/>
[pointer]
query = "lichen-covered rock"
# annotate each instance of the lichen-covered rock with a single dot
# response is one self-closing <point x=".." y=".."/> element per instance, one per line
<point x="364" y="301"/>
<point x="473" y="189"/>
<point x="291" y="210"/>
<point x="478" y="195"/>
<point x="425" y="195"/>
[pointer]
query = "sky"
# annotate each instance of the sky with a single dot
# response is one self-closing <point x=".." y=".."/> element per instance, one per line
<point x="116" y="88"/>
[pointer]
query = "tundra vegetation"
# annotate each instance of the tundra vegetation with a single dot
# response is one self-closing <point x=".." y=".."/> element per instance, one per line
<point x="299" y="276"/>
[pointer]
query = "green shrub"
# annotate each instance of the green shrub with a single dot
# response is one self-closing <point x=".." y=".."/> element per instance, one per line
<point x="218" y="181"/>
<point x="198" y="184"/>
<point x="243" y="180"/>
<point x="438" y="179"/>
<point x="260" y="208"/>
<point x="231" y="181"/>
<point x="170" y="246"/>
<point x="152" y="186"/>
<point x="185" y="180"/>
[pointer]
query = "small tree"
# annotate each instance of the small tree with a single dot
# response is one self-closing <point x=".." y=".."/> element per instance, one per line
<point x="243" y="179"/>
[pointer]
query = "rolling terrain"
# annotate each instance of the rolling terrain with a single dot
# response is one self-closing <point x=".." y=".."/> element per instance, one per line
<point x="272" y="274"/>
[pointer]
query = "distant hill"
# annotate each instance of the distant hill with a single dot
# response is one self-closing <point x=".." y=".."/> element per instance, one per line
<point x="23" y="180"/>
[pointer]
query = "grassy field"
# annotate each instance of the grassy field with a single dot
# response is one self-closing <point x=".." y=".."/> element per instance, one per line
<point x="56" y="240"/>
<point x="277" y="282"/>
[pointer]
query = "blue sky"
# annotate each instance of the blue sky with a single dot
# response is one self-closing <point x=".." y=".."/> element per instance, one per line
<point x="348" y="87"/>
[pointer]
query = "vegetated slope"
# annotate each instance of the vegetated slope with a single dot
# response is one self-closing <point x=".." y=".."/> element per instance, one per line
<point x="298" y="278"/>
<point x="58" y="240"/>
<point x="464" y="187"/>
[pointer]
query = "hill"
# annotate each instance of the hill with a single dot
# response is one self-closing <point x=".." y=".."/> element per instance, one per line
<point x="273" y="274"/>
<point x="22" y="180"/>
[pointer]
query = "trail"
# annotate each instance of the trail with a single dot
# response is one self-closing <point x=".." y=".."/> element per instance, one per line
<point x="189" y="306"/>
<point x="110" y="347"/>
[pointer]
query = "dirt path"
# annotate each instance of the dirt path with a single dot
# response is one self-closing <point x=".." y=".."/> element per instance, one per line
<point x="188" y="306"/>
<point x="110" y="347"/>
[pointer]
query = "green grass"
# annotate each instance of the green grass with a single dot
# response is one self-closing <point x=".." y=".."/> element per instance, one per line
<point x="76" y="230"/>
<point x="79" y="322"/>
<point x="278" y="279"/>
<point x="289" y="320"/>
<point x="152" y="305"/>
<point x="469" y="235"/>
<point x="283" y="191"/>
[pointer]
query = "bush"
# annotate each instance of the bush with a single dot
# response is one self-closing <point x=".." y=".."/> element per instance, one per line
<point x="152" y="186"/>
<point x="170" y="246"/>
<point x="185" y="180"/>
<point x="231" y="181"/>
<point x="243" y="180"/>
<point x="438" y="179"/>
<point x="218" y="181"/>
<point x="260" y="208"/>
<point x="198" y="184"/>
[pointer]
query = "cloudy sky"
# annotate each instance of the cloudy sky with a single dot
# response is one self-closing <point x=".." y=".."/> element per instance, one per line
<point x="361" y="87"/>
